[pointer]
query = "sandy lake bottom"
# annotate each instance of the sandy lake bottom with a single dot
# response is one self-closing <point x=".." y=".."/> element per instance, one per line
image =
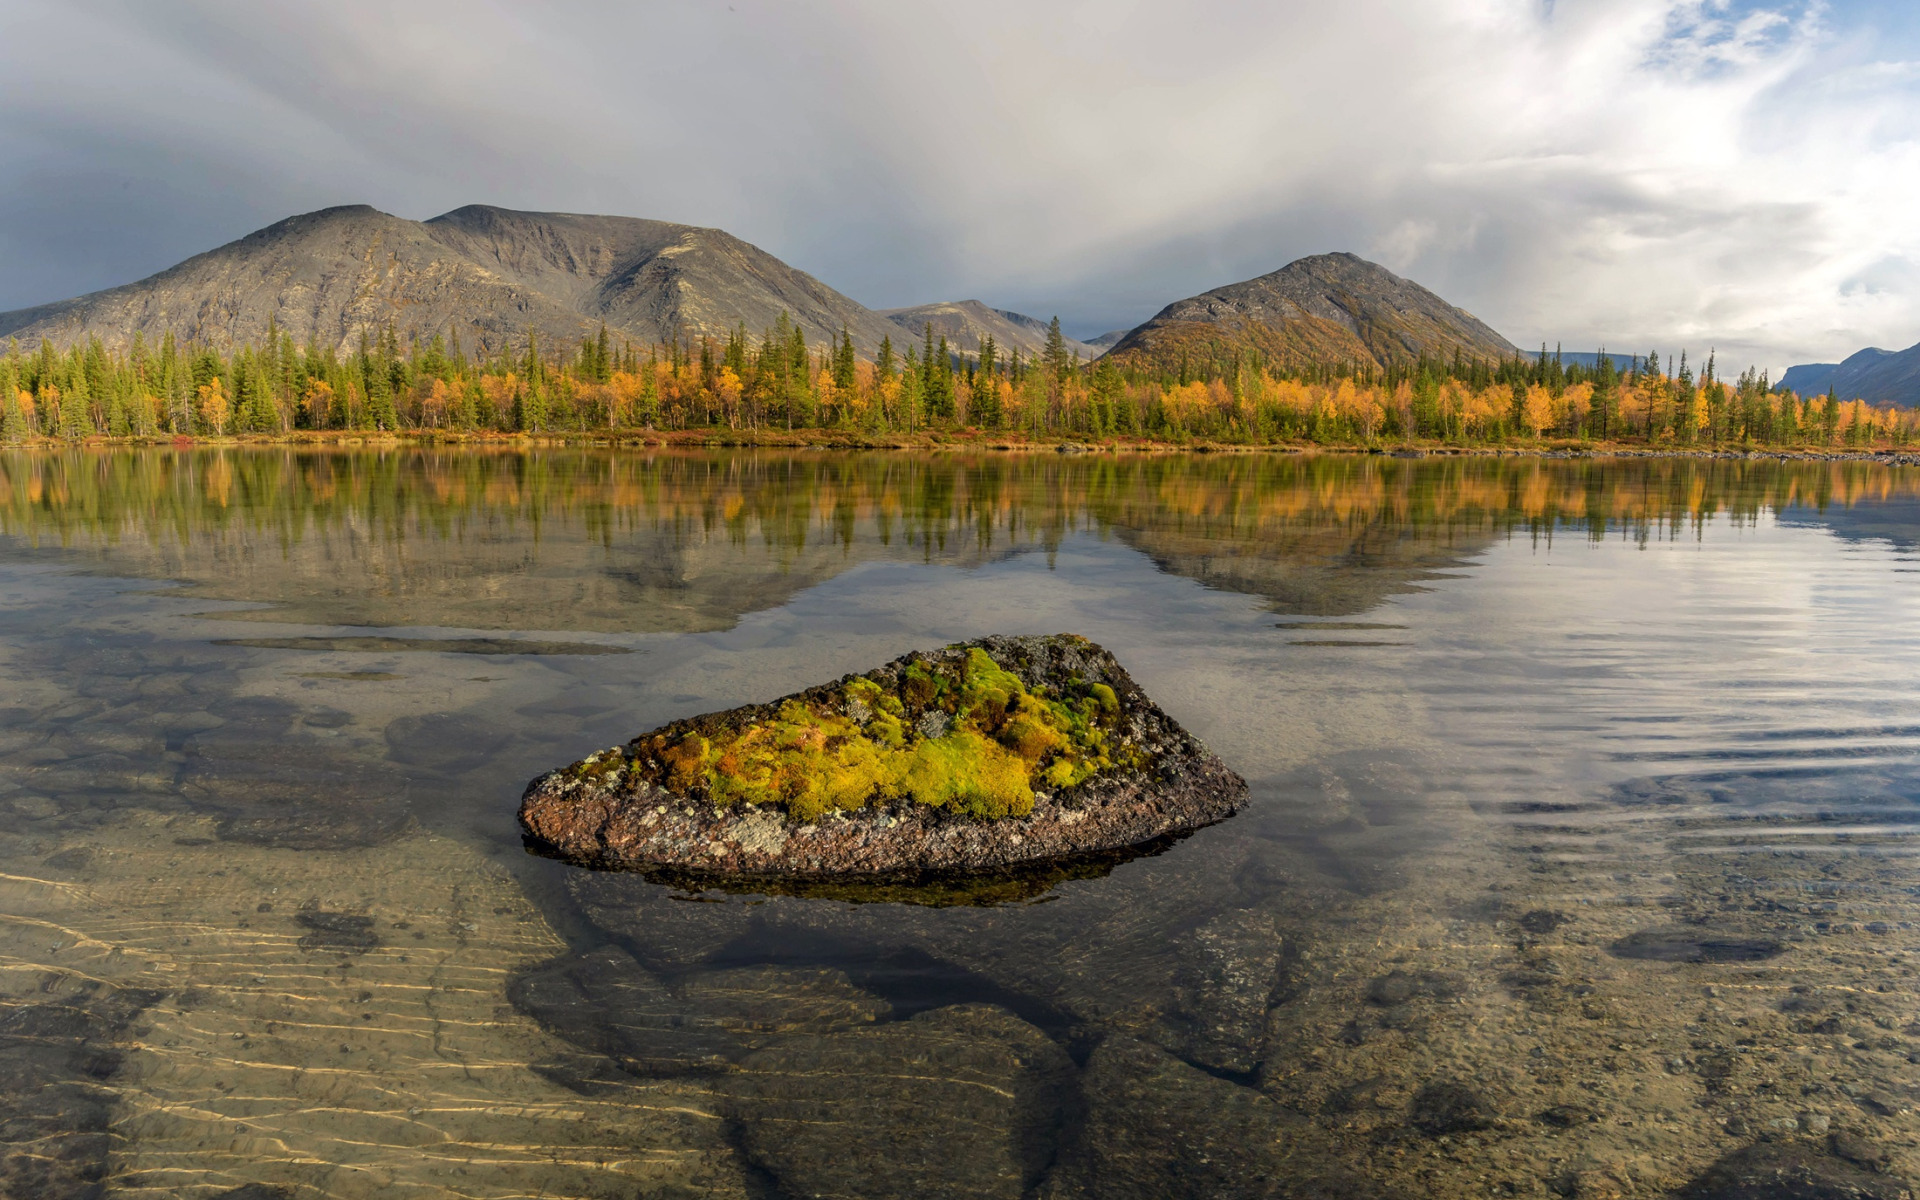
<point x="1579" y="861"/>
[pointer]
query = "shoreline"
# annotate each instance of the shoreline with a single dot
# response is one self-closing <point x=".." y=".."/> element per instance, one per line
<point x="957" y="441"/>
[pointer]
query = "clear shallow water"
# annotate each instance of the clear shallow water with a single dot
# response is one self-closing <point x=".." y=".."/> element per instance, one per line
<point x="1579" y="854"/>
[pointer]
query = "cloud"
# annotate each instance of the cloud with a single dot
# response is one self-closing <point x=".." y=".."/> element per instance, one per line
<point x="1636" y="172"/>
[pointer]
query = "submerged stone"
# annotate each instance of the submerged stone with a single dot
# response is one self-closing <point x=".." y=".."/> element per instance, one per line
<point x="1791" y="1170"/>
<point x="965" y="1101"/>
<point x="1691" y="945"/>
<point x="974" y="757"/>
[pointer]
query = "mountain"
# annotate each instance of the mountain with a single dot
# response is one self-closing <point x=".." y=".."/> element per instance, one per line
<point x="1591" y="358"/>
<point x="1808" y="379"/>
<point x="1874" y="375"/>
<point x="1106" y="340"/>
<point x="965" y="322"/>
<point x="1330" y="307"/>
<point x="490" y="274"/>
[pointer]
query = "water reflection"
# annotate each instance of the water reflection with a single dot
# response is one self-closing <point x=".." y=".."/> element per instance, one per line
<point x="1579" y="859"/>
<point x="691" y="541"/>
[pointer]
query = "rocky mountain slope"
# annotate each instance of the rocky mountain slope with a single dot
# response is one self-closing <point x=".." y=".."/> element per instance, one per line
<point x="491" y="274"/>
<point x="1874" y="375"/>
<point x="1330" y="307"/>
<point x="965" y="323"/>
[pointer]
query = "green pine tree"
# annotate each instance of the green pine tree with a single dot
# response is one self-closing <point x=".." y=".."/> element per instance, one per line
<point x="1055" y="355"/>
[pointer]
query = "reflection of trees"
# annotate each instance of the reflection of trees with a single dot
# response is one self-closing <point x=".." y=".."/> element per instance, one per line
<point x="675" y="540"/>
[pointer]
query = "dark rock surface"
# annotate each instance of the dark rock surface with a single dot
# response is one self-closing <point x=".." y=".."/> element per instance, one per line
<point x="1234" y="973"/>
<point x="58" y="1055"/>
<point x="352" y="932"/>
<point x="1693" y="945"/>
<point x="623" y="821"/>
<point x="1444" y="1106"/>
<point x="702" y="1022"/>
<point x="1159" y="1129"/>
<point x="965" y="1101"/>
<point x="1791" y="1170"/>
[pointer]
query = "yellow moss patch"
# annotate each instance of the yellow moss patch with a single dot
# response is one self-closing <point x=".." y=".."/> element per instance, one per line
<point x="968" y="736"/>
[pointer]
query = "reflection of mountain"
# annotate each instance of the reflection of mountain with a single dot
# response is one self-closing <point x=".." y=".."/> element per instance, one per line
<point x="595" y="540"/>
<point x="1895" y="521"/>
<point x="562" y="541"/>
<point x="1321" y="573"/>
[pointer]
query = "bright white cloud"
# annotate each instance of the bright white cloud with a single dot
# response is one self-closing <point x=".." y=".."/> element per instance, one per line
<point x="1638" y="172"/>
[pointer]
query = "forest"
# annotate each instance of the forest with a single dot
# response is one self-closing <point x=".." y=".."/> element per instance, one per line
<point x="748" y="385"/>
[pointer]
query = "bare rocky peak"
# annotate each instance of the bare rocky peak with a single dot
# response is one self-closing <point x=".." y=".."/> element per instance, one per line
<point x="966" y="323"/>
<point x="489" y="274"/>
<point x="1324" y="306"/>
<point x="493" y="275"/>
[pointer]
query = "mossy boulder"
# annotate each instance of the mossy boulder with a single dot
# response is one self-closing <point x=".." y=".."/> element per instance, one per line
<point x="973" y="757"/>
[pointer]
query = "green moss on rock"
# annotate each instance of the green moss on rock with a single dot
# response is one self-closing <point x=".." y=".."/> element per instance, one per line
<point x="953" y="730"/>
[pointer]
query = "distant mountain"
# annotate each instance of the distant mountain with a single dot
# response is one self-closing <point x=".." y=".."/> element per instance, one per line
<point x="965" y="323"/>
<point x="1330" y="307"/>
<point x="490" y="274"/>
<point x="1874" y="375"/>
<point x="1591" y="358"/>
<point x="1808" y="378"/>
<point x="1106" y="340"/>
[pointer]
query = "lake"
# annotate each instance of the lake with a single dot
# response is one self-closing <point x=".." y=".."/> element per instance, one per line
<point x="1579" y="858"/>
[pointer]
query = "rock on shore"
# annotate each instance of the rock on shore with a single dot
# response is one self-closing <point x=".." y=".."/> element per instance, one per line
<point x="972" y="758"/>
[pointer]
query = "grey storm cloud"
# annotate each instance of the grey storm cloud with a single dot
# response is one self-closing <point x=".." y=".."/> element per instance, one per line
<point x="1639" y="173"/>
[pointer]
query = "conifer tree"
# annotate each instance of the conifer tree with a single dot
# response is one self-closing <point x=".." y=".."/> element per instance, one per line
<point x="844" y="362"/>
<point x="119" y="424"/>
<point x="75" y="421"/>
<point x="939" y="389"/>
<point x="1606" y="396"/>
<point x="1056" y="351"/>
<point x="12" y="420"/>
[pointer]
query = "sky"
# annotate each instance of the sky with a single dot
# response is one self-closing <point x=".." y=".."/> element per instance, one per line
<point x="1729" y="175"/>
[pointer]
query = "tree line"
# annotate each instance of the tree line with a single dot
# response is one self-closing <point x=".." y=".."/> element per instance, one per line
<point x="778" y="380"/>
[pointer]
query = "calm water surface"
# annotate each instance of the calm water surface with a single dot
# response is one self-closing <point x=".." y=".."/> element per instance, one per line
<point x="1580" y="855"/>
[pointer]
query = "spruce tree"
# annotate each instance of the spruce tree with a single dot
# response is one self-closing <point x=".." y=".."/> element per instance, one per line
<point x="1606" y="394"/>
<point x="75" y="419"/>
<point x="843" y="362"/>
<point x="1056" y="351"/>
<point x="940" y="383"/>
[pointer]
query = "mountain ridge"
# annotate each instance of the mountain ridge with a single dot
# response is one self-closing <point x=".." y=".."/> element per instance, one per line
<point x="495" y="276"/>
<point x="331" y="275"/>
<point x="1874" y="375"/>
<point x="965" y="323"/>
<point x="1323" y="308"/>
